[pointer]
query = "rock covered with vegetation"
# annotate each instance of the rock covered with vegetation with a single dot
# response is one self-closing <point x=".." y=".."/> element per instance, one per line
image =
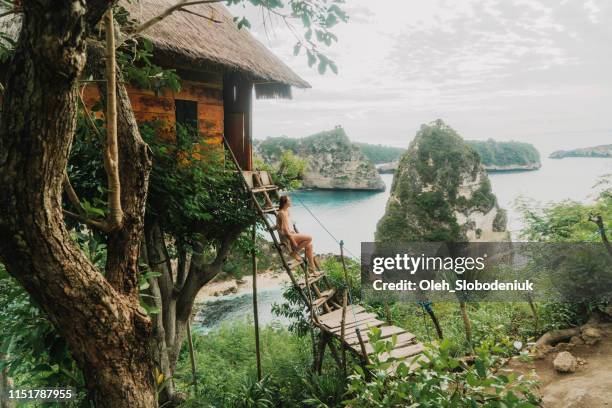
<point x="595" y="151"/>
<point x="506" y="156"/>
<point x="379" y="154"/>
<point x="333" y="161"/>
<point x="441" y="192"/>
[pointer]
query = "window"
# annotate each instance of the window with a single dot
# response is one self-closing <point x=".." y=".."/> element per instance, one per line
<point x="186" y="113"/>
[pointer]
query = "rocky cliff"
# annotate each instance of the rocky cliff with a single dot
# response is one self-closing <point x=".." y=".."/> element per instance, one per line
<point x="441" y="192"/>
<point x="333" y="161"/>
<point x="596" y="151"/>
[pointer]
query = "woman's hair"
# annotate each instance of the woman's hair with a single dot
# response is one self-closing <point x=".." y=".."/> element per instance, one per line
<point x="282" y="201"/>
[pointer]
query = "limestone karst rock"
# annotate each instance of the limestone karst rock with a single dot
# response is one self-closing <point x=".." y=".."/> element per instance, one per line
<point x="333" y="161"/>
<point x="441" y="192"/>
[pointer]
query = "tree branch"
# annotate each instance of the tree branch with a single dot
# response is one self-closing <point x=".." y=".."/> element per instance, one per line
<point x="72" y="195"/>
<point x="111" y="156"/>
<point x="598" y="220"/>
<point x="100" y="225"/>
<point x="200" y="273"/>
<point x="201" y="15"/>
<point x="177" y="7"/>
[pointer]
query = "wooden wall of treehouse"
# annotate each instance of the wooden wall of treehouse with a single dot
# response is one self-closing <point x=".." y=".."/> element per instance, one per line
<point x="149" y="107"/>
<point x="221" y="104"/>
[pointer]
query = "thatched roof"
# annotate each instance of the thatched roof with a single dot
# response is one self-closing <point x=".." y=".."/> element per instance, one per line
<point x="199" y="40"/>
<point x="191" y="39"/>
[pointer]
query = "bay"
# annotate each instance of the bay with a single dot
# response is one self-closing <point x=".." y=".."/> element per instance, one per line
<point x="351" y="216"/>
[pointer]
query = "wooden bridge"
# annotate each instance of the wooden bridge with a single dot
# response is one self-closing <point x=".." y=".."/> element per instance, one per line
<point x="328" y="306"/>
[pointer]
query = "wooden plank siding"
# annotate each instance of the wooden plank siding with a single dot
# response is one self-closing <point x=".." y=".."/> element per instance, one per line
<point x="149" y="107"/>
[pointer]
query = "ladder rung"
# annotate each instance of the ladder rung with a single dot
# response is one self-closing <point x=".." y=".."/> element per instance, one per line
<point x="264" y="188"/>
<point x="270" y="210"/>
<point x="294" y="263"/>
<point x="312" y="279"/>
<point x="325" y="296"/>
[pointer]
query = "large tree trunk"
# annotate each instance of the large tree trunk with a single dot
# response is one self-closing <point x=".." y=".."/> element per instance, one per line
<point x="106" y="331"/>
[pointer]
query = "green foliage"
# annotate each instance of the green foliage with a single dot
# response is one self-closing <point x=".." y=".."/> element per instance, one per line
<point x="190" y="189"/>
<point x="293" y="307"/>
<point x="34" y="353"/>
<point x="335" y="140"/>
<point x="442" y="381"/>
<point x="272" y="148"/>
<point x="318" y="18"/>
<point x="335" y="275"/>
<point x="378" y="154"/>
<point x="568" y="222"/>
<point x="494" y="153"/>
<point x="227" y="370"/>
<point x="287" y="172"/>
<point x="137" y="68"/>
<point x="501" y="323"/>
<point x="85" y="164"/>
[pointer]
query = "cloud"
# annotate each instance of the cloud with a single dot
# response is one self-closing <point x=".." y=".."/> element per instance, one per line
<point x="496" y="68"/>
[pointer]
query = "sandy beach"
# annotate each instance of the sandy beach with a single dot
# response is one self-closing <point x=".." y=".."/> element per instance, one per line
<point x="266" y="280"/>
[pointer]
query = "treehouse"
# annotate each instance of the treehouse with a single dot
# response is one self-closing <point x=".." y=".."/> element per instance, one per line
<point x="220" y="66"/>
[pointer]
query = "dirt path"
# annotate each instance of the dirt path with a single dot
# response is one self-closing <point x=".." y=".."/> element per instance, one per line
<point x="589" y="387"/>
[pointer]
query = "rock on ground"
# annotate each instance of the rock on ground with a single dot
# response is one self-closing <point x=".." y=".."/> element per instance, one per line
<point x="591" y="335"/>
<point x="565" y="362"/>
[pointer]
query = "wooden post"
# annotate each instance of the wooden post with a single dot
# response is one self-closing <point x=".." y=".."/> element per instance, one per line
<point x="192" y="359"/>
<point x="323" y="339"/>
<point x="343" y="329"/>
<point x="346" y="278"/>
<point x="255" y="312"/>
<point x="362" y="346"/>
<point x="344" y="305"/>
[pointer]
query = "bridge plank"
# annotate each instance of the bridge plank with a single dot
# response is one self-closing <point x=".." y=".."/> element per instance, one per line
<point x="386" y="332"/>
<point x="338" y="313"/>
<point x="404" y="339"/>
<point x="364" y="325"/>
<point x="350" y="320"/>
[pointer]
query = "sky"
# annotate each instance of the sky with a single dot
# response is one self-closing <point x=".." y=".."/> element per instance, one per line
<point x="529" y="70"/>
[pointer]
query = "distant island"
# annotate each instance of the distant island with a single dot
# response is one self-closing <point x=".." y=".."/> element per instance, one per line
<point x="604" y="151"/>
<point x="495" y="156"/>
<point x="333" y="161"/>
<point x="379" y="154"/>
<point x="506" y="156"/>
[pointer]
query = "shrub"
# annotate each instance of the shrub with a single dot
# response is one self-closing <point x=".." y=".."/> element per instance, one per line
<point x="441" y="381"/>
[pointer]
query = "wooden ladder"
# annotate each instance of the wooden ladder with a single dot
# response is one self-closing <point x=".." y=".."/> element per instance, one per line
<point x="350" y="324"/>
<point x="313" y="287"/>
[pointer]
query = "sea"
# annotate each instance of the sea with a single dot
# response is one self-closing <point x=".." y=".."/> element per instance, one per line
<point x="351" y="216"/>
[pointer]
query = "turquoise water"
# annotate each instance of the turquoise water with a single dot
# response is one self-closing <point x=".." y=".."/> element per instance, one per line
<point x="212" y="314"/>
<point x="351" y="216"/>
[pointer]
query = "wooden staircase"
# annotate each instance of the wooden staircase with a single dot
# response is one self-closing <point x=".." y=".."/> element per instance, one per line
<point x="352" y="324"/>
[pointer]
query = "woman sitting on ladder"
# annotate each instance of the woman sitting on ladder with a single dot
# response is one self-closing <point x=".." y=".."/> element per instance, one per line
<point x="298" y="241"/>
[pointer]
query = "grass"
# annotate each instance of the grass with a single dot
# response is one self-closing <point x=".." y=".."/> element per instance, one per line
<point x="226" y="369"/>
